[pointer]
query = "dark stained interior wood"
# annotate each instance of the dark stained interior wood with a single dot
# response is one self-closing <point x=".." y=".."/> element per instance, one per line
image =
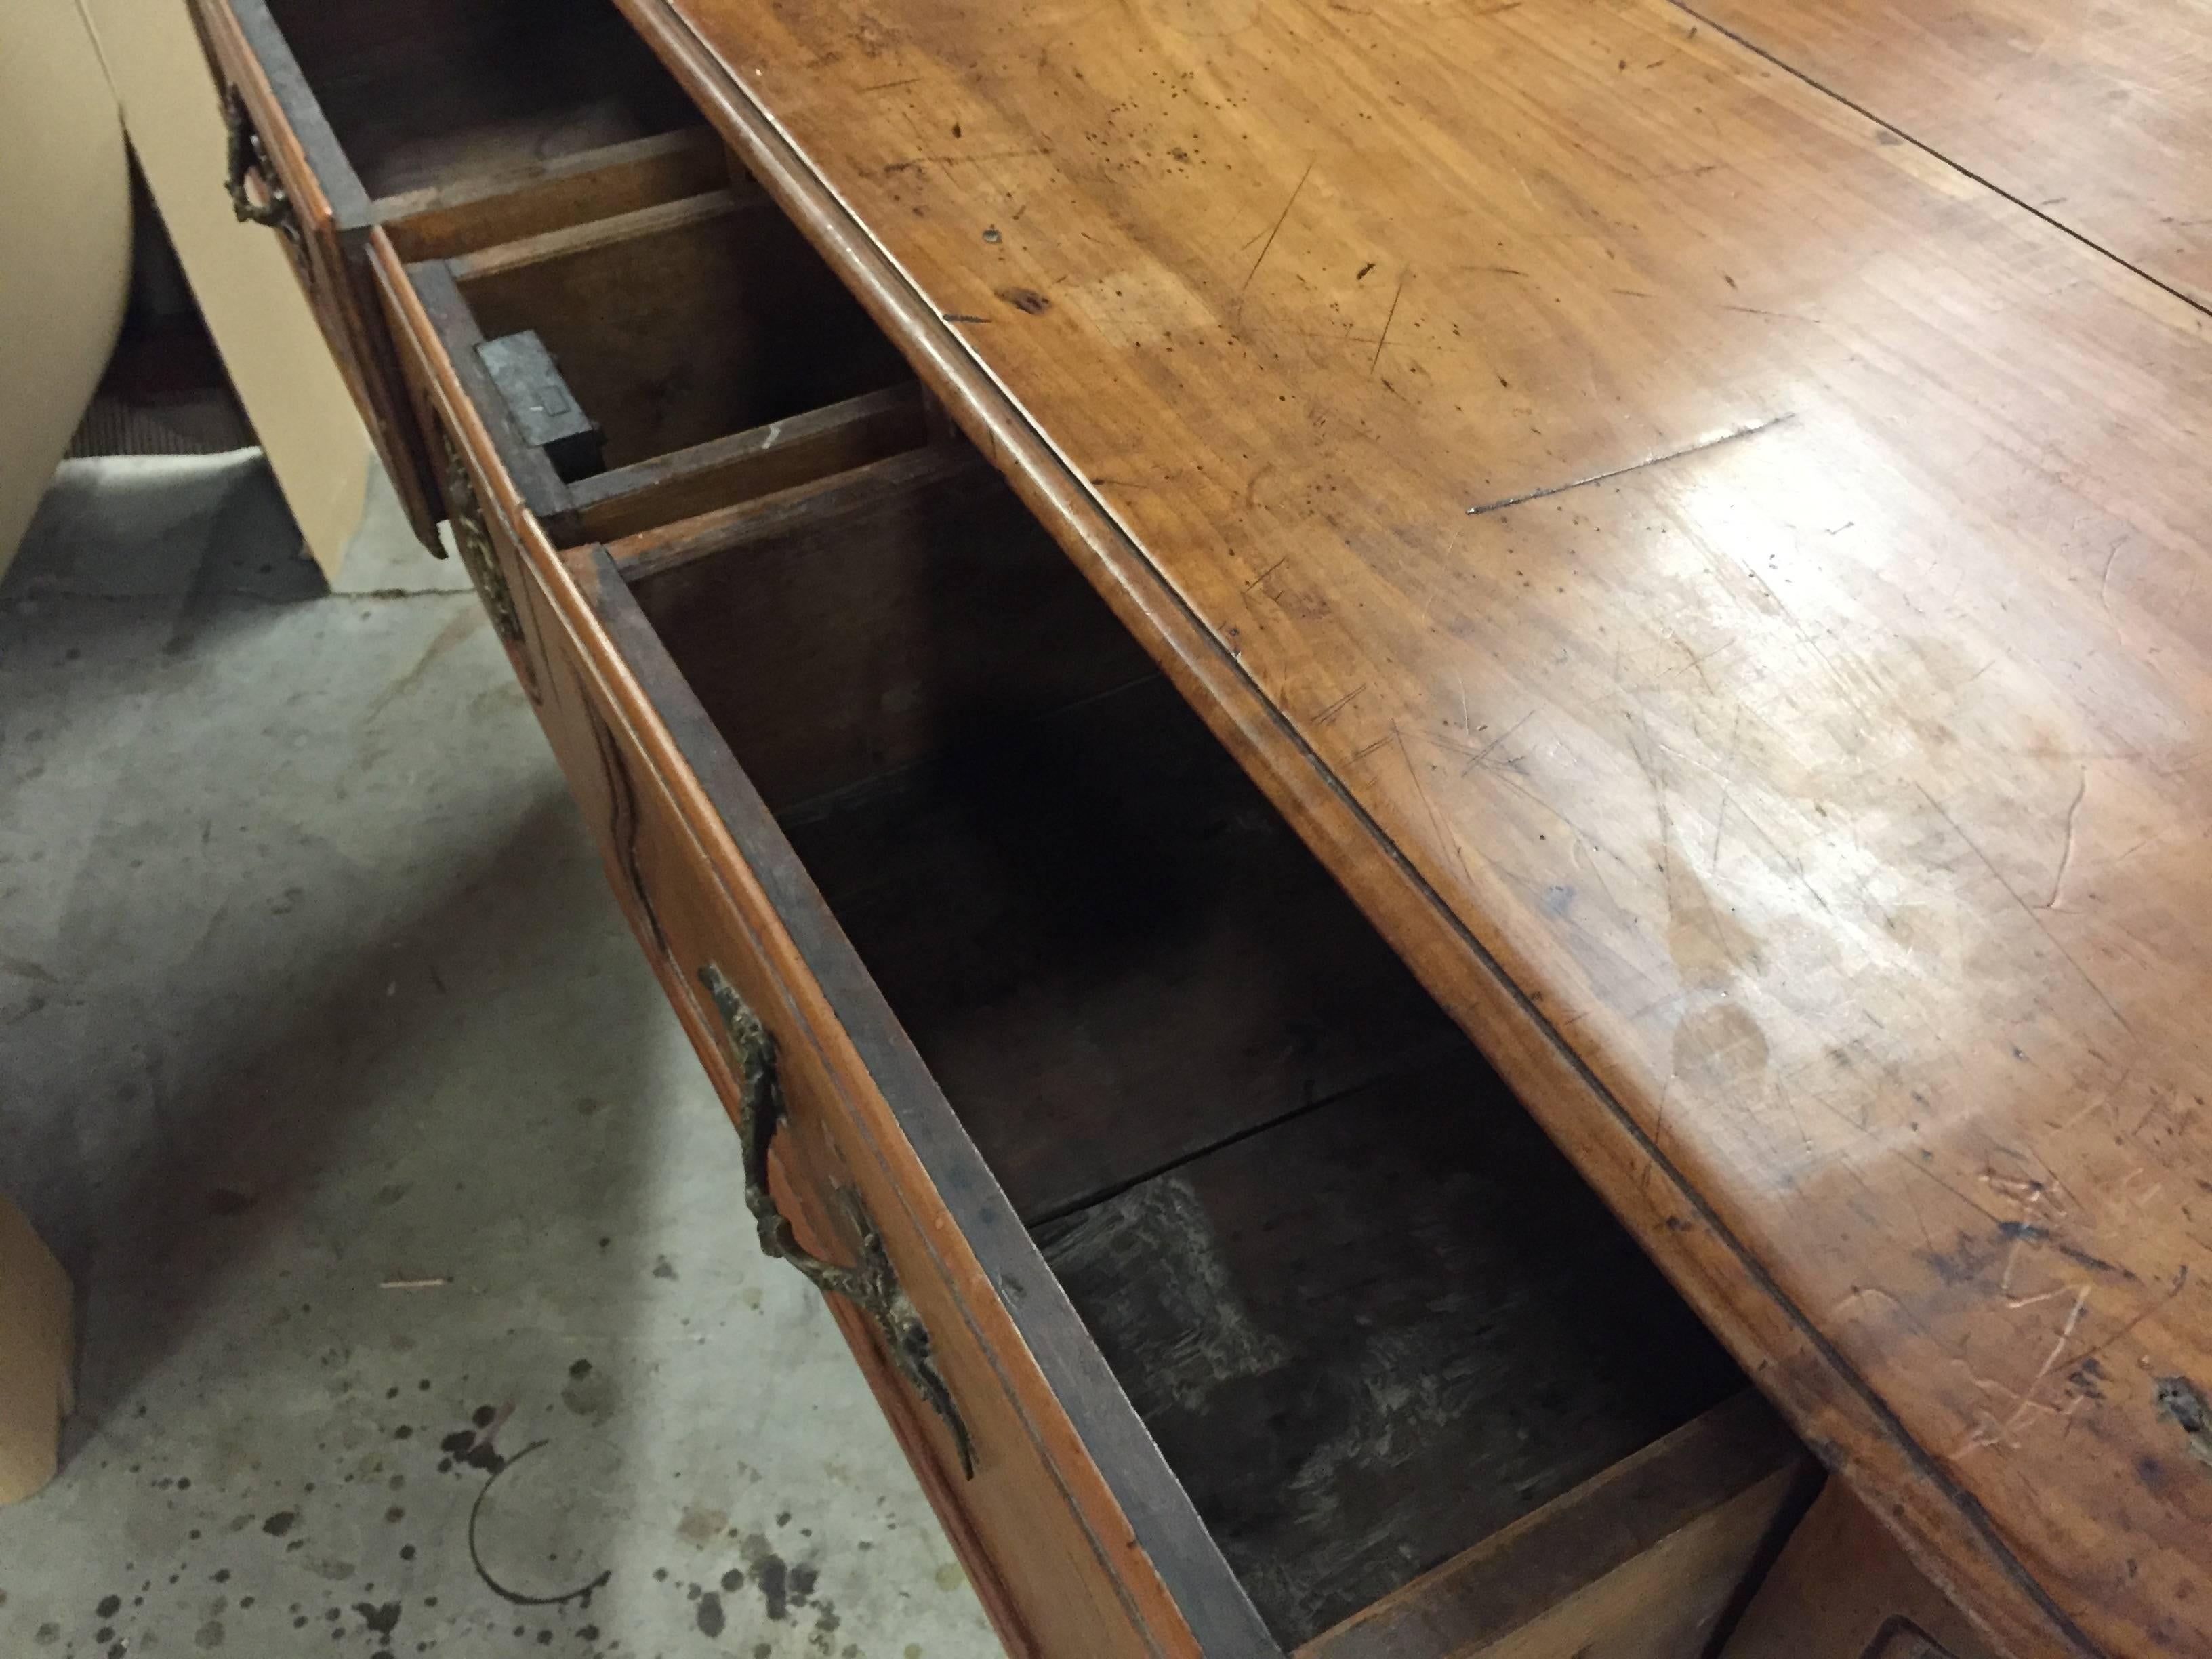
<point x="1368" y="1311"/>
<point x="843" y="631"/>
<point x="683" y="321"/>
<point x="1112" y="955"/>
<point x="1646" y="1560"/>
<point x="1372" y="1337"/>
<point x="424" y="92"/>
<point x="441" y="221"/>
<point x="746" y="465"/>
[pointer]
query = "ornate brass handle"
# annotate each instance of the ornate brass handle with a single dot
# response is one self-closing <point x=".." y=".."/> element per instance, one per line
<point x="873" y="1285"/>
<point x="473" y="537"/>
<point x="248" y="157"/>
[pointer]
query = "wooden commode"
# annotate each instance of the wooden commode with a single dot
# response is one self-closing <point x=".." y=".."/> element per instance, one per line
<point x="1430" y="780"/>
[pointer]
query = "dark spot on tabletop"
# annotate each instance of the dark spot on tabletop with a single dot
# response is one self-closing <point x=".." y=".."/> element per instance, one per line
<point x="109" y="1605"/>
<point x="710" y="1615"/>
<point x="380" y="1620"/>
<point x="482" y="1415"/>
<point x="663" y="1268"/>
<point x="280" y="1522"/>
<point x="1966" y="1262"/>
<point x="2182" y="1400"/>
<point x="732" y="1579"/>
<point x="991" y="234"/>
<point x="209" y="1635"/>
<point x="1025" y="299"/>
<point x="802" y="1583"/>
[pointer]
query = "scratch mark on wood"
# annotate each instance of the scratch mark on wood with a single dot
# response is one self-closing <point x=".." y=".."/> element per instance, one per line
<point x="1339" y="706"/>
<point x="1387" y="321"/>
<point x="1633" y="466"/>
<point x="2072" y="828"/>
<point x="2031" y="912"/>
<point x="2105" y="581"/>
<point x="1483" y="753"/>
<point x="1728" y="782"/>
<point x="1280" y="222"/>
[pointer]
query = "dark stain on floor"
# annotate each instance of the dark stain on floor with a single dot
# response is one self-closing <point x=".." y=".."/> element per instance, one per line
<point x="711" y="1619"/>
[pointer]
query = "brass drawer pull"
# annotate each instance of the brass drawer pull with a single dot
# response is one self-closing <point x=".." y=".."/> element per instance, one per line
<point x="248" y="156"/>
<point x="473" y="537"/>
<point x="873" y="1285"/>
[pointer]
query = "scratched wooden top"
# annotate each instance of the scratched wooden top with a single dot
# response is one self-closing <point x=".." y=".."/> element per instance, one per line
<point x="2099" y="117"/>
<point x="1747" y="567"/>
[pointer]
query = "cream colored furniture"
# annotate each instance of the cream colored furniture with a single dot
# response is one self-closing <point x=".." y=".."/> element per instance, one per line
<point x="64" y="243"/>
<point x="276" y="355"/>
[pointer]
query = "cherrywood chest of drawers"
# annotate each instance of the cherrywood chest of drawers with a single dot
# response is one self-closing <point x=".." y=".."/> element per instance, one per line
<point x="1223" y="1297"/>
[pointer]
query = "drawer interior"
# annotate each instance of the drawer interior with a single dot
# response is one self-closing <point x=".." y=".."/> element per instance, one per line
<point x="656" y="362"/>
<point x="423" y="93"/>
<point x="1370" y="1317"/>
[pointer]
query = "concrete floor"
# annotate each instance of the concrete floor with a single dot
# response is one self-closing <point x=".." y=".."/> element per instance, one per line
<point x="330" y="1069"/>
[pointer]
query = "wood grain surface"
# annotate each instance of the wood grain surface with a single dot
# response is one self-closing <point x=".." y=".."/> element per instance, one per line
<point x="2099" y="117"/>
<point x="1738" y="567"/>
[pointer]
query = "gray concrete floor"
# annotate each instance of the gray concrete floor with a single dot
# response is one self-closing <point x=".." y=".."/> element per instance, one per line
<point x="330" y="1069"/>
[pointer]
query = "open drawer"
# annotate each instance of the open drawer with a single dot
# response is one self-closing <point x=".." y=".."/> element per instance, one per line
<point x="457" y="118"/>
<point x="648" y="365"/>
<point x="1226" y="1300"/>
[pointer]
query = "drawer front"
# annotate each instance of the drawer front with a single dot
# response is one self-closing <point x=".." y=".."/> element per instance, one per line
<point x="1011" y="1477"/>
<point x="287" y="172"/>
<point x="1017" y="1486"/>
